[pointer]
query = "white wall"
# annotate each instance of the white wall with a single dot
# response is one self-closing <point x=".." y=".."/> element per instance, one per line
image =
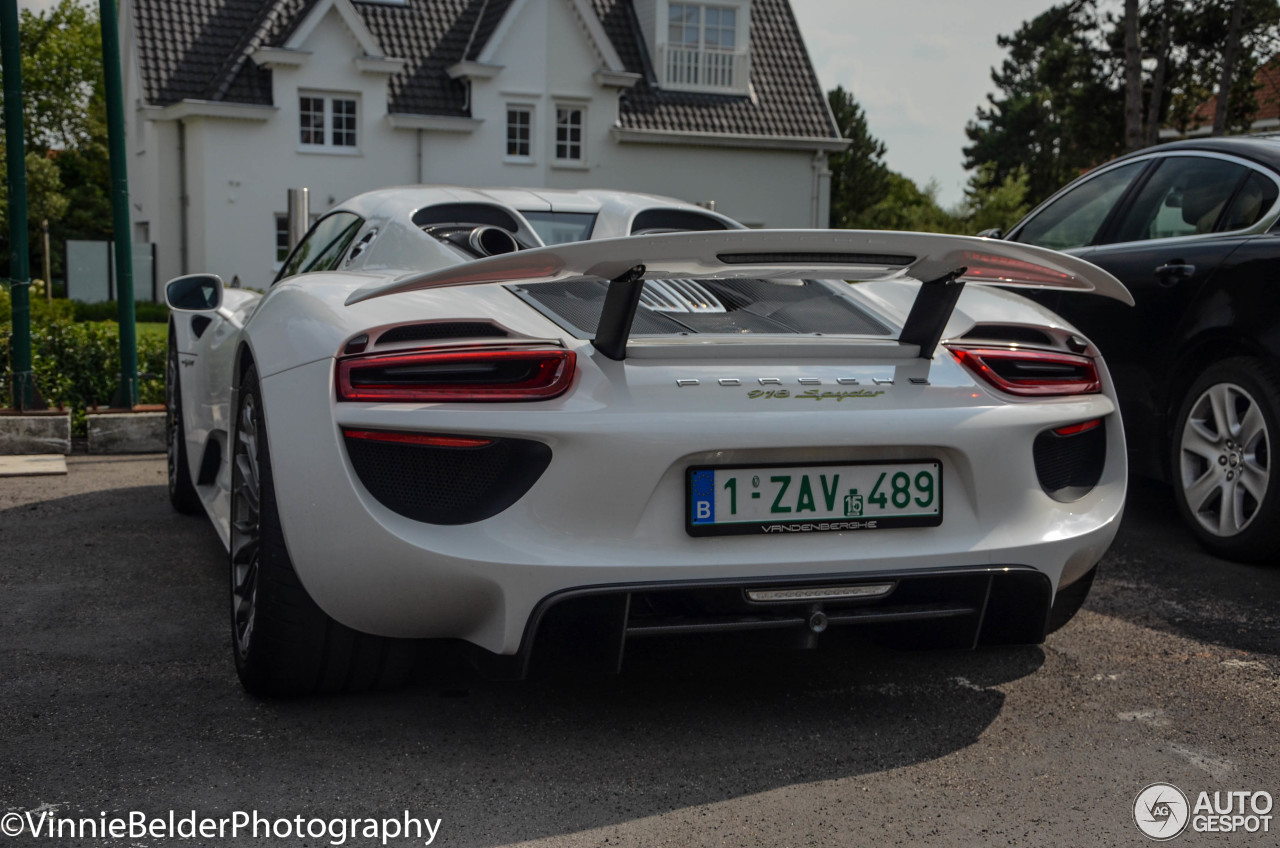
<point x="250" y="166"/>
<point x="239" y="171"/>
<point x="546" y="55"/>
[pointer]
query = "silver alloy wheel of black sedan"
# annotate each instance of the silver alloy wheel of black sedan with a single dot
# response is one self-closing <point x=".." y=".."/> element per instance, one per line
<point x="1225" y="464"/>
<point x="1222" y="449"/>
<point x="245" y="526"/>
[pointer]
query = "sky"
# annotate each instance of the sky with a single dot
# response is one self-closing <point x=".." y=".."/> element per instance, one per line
<point x="920" y="69"/>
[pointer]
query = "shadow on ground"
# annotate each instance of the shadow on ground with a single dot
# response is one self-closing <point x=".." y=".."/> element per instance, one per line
<point x="120" y="695"/>
<point x="1157" y="575"/>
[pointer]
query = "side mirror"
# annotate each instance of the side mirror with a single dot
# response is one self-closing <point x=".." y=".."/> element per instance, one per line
<point x="993" y="233"/>
<point x="194" y="293"/>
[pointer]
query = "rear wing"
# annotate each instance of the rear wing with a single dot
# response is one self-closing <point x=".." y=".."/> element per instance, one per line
<point x="942" y="264"/>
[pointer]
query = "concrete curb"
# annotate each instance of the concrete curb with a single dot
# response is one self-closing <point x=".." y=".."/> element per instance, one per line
<point x="33" y="465"/>
<point x="31" y="432"/>
<point x="139" y="430"/>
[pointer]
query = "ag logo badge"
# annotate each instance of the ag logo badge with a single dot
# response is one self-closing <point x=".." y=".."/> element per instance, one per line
<point x="1161" y="811"/>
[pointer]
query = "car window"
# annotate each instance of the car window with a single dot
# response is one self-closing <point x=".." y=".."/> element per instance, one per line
<point x="561" y="227"/>
<point x="1255" y="199"/>
<point x="324" y="246"/>
<point x="1075" y="218"/>
<point x="1184" y="197"/>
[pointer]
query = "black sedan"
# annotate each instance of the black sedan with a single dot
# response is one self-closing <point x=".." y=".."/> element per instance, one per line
<point x="1191" y="229"/>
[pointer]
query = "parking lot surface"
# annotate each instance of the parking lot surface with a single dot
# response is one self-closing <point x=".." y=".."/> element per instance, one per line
<point x="120" y="698"/>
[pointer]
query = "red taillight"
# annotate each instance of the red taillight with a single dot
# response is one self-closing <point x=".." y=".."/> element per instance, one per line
<point x="456" y="376"/>
<point x="422" y="439"/>
<point x="1077" y="429"/>
<point x="1031" y="372"/>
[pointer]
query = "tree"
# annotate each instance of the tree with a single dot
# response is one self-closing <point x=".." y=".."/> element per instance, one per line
<point x="905" y="206"/>
<point x="61" y="74"/>
<point x="994" y="205"/>
<point x="859" y="177"/>
<point x="44" y="192"/>
<point x="1157" y="100"/>
<point x="1072" y="92"/>
<point x="86" y="177"/>
<point x="1055" y="112"/>
<point x="1133" y="135"/>
<point x="1229" y="58"/>
<point x="68" y="174"/>
<point x="1221" y="56"/>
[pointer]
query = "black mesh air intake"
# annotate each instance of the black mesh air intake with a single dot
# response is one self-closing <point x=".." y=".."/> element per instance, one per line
<point x="448" y="485"/>
<point x="1070" y="466"/>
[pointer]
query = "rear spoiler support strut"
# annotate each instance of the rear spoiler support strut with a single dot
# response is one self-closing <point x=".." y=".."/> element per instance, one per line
<point x="931" y="311"/>
<point x="618" y="313"/>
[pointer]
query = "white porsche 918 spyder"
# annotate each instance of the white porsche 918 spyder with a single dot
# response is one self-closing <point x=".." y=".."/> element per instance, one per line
<point x="550" y="423"/>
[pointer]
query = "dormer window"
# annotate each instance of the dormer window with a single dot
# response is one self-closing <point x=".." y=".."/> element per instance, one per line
<point x="703" y="47"/>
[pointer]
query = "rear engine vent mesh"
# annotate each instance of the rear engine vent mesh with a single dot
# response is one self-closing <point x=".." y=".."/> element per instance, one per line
<point x="442" y="330"/>
<point x="448" y="485"/>
<point x="742" y="306"/>
<point x="1070" y="466"/>
<point x="679" y="296"/>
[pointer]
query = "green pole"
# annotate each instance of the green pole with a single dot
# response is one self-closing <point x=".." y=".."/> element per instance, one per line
<point x="16" y="154"/>
<point x="127" y="394"/>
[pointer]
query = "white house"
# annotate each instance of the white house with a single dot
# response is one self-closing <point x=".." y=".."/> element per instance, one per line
<point x="236" y="101"/>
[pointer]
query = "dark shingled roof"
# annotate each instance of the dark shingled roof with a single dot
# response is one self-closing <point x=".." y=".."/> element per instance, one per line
<point x="788" y="99"/>
<point x="432" y="35"/>
<point x="200" y="49"/>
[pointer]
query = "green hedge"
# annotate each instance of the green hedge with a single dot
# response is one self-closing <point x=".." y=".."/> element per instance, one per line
<point x="107" y="310"/>
<point x="61" y="309"/>
<point x="77" y="364"/>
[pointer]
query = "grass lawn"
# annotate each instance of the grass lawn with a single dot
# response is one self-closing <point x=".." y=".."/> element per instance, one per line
<point x="152" y="330"/>
<point x="145" y="330"/>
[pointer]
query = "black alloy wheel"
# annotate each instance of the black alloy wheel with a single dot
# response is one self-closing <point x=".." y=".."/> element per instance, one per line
<point x="284" y="644"/>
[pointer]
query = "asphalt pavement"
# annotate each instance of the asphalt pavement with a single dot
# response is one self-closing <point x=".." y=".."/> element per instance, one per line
<point x="119" y="701"/>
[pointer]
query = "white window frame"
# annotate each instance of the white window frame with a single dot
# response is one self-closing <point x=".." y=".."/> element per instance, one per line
<point x="282" y="229"/>
<point x="703" y="24"/>
<point x="530" y="110"/>
<point x="580" y="160"/>
<point x="712" y="70"/>
<point x="329" y="101"/>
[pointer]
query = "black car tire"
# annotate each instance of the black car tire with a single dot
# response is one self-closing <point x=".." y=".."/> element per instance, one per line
<point x="1224" y="482"/>
<point x="283" y="643"/>
<point x="182" y="492"/>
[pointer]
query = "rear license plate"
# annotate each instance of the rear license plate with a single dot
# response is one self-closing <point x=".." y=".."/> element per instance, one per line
<point x="814" y="498"/>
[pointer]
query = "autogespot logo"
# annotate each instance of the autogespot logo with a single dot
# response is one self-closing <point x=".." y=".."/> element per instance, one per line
<point x="1161" y="811"/>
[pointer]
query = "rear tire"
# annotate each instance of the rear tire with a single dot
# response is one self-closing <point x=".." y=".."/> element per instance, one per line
<point x="182" y="492"/>
<point x="1224" y="481"/>
<point x="284" y="644"/>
